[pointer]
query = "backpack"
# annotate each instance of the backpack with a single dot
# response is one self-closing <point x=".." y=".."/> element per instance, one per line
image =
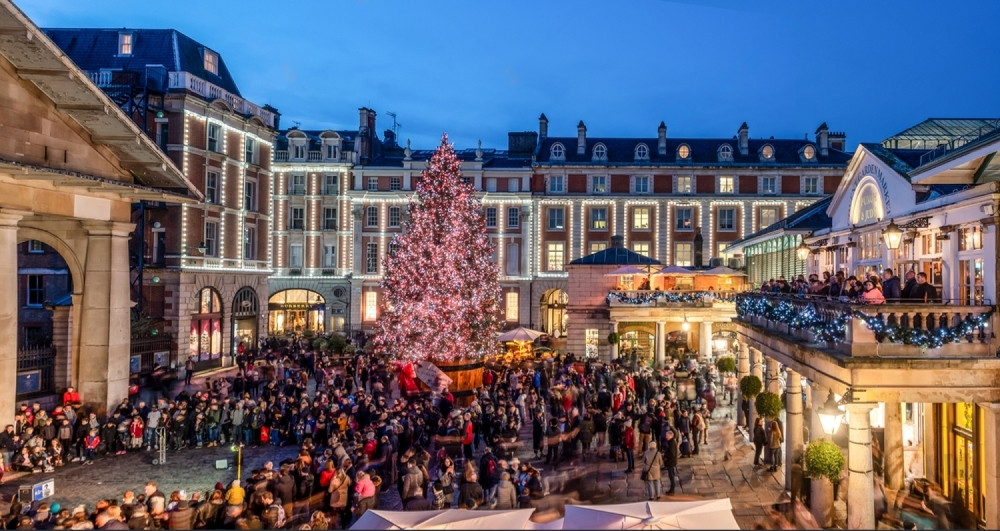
<point x="278" y="512"/>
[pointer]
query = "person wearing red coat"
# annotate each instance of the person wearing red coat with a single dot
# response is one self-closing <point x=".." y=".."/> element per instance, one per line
<point x="629" y="443"/>
<point x="71" y="397"/>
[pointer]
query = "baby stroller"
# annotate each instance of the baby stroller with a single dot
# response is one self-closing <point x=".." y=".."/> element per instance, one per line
<point x="685" y="446"/>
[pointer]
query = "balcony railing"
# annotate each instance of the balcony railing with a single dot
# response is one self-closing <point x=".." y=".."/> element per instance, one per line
<point x="894" y="329"/>
<point x="210" y="91"/>
<point x="284" y="155"/>
<point x="670" y="298"/>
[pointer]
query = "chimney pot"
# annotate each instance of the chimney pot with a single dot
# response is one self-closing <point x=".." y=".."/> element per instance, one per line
<point x="581" y="138"/>
<point x="661" y="145"/>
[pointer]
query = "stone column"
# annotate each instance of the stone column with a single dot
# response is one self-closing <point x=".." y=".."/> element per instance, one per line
<point x="8" y="315"/>
<point x="756" y="369"/>
<point x="661" y="343"/>
<point x="773" y="383"/>
<point x="105" y="327"/>
<point x="819" y="395"/>
<point x="614" y="346"/>
<point x="793" y="429"/>
<point x="705" y="340"/>
<point x="861" y="486"/>
<point x="742" y="369"/>
<point x="893" y="451"/>
<point x="991" y="457"/>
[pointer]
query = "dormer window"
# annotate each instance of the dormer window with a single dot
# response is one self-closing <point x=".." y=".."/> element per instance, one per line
<point x="124" y="44"/>
<point x="725" y="153"/>
<point x="683" y="152"/>
<point x="600" y="152"/>
<point x="641" y="152"/>
<point x="557" y="152"/>
<point x="767" y="152"/>
<point x="211" y="61"/>
<point x="809" y="153"/>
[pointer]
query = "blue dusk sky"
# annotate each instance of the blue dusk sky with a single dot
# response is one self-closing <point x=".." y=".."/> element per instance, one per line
<point x="478" y="70"/>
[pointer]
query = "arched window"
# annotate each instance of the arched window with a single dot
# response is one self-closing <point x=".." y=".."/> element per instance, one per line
<point x="641" y="152"/>
<point x="725" y="153"/>
<point x="557" y="152"/>
<point x="600" y="152"/>
<point x="683" y="152"/>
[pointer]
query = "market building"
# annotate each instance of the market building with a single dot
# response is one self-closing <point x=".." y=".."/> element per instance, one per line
<point x="71" y="165"/>
<point x="917" y="379"/>
<point x="199" y="271"/>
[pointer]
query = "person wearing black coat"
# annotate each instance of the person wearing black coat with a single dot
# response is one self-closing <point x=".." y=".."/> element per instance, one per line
<point x="759" y="440"/>
<point x="670" y="454"/>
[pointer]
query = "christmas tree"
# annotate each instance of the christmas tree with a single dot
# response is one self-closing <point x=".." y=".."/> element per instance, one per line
<point x="441" y="294"/>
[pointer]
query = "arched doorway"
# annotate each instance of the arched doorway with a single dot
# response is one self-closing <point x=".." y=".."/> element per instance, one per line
<point x="206" y="329"/>
<point x="246" y="309"/>
<point x="553" y="312"/>
<point x="44" y="300"/>
<point x="295" y="311"/>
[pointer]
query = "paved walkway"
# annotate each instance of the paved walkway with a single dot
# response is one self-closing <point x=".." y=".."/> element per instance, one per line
<point x="594" y="479"/>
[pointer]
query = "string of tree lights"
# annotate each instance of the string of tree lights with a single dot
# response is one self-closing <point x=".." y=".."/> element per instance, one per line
<point x="823" y="330"/>
<point x="667" y="296"/>
<point x="441" y="285"/>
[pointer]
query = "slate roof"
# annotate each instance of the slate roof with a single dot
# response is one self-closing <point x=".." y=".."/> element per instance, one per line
<point x="810" y="218"/>
<point x="315" y="143"/>
<point x="615" y="256"/>
<point x="704" y="151"/>
<point x="492" y="158"/>
<point x="93" y="49"/>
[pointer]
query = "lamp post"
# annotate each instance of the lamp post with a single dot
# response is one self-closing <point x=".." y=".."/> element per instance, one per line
<point x="830" y="414"/>
<point x="238" y="448"/>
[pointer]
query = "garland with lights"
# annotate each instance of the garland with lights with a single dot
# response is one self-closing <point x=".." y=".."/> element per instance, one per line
<point x="925" y="339"/>
<point x="645" y="298"/>
<point x="835" y="331"/>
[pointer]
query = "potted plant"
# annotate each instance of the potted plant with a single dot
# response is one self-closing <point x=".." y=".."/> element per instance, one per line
<point x="750" y="386"/>
<point x="768" y="405"/>
<point x="824" y="463"/>
<point x="726" y="364"/>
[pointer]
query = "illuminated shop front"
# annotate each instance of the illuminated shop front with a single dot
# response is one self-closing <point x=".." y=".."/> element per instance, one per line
<point x="296" y="311"/>
<point x="206" y="329"/>
<point x="244" y="319"/>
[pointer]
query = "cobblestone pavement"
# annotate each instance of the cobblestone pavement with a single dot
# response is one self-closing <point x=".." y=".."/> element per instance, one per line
<point x="594" y="479"/>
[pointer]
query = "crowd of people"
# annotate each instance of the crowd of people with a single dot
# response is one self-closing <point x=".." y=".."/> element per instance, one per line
<point x="873" y="288"/>
<point x="357" y="438"/>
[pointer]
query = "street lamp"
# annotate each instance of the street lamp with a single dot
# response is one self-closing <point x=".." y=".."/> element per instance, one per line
<point x="802" y="251"/>
<point x="238" y="448"/>
<point x="830" y="414"/>
<point x="685" y="326"/>
<point x="892" y="235"/>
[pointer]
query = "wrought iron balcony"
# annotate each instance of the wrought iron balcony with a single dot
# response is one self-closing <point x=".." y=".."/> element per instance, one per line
<point x="893" y="329"/>
<point x="670" y="298"/>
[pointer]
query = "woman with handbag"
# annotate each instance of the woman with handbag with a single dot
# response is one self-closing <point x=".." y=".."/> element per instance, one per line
<point x="443" y="487"/>
<point x="651" y="463"/>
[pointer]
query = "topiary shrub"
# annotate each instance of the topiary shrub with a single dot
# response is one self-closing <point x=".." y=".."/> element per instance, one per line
<point x="614" y="338"/>
<point x="768" y="405"/>
<point x="336" y="343"/>
<point x="726" y="364"/>
<point x="750" y="386"/>
<point x="319" y="343"/>
<point x="823" y="459"/>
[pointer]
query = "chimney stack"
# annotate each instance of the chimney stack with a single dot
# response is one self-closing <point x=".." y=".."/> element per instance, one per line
<point x="744" y="134"/>
<point x="618" y="241"/>
<point x="661" y="145"/>
<point x="823" y="139"/>
<point x="581" y="138"/>
<point x="543" y="127"/>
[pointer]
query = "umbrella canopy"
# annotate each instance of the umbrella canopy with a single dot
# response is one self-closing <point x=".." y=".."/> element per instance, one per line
<point x="674" y="270"/>
<point x="444" y="519"/>
<point x="628" y="270"/>
<point x="520" y="334"/>
<point x="702" y="514"/>
<point x="723" y="270"/>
